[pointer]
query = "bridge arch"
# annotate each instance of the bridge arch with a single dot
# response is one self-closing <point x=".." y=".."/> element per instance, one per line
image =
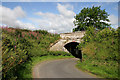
<point x="72" y="48"/>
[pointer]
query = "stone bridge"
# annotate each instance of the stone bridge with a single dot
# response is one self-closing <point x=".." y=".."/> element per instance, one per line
<point x="68" y="41"/>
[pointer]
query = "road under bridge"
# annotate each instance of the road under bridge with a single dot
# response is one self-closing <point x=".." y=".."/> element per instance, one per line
<point x="68" y="43"/>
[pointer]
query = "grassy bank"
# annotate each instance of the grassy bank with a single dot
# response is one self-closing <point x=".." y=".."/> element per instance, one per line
<point x="100" y="52"/>
<point x="101" y="68"/>
<point x="22" y="48"/>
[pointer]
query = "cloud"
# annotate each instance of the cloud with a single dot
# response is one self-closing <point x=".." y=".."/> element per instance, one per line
<point x="66" y="10"/>
<point x="25" y="25"/>
<point x="10" y="17"/>
<point x="113" y="20"/>
<point x="57" y="23"/>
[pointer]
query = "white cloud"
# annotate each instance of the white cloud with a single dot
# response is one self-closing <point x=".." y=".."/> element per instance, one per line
<point x="25" y="25"/>
<point x="51" y="31"/>
<point x="10" y="17"/>
<point x="57" y="23"/>
<point x="66" y="10"/>
<point x="18" y="12"/>
<point x="113" y="20"/>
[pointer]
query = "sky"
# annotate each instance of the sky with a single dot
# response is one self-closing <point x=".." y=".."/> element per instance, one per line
<point x="55" y="17"/>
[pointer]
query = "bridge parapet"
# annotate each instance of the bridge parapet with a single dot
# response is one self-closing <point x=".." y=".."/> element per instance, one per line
<point x="74" y="35"/>
<point x="67" y="38"/>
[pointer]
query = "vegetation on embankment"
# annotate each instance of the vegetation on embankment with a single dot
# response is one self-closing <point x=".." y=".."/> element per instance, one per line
<point x="21" y="48"/>
<point x="100" y="52"/>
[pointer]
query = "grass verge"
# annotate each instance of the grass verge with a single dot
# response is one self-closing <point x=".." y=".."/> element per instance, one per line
<point x="101" y="68"/>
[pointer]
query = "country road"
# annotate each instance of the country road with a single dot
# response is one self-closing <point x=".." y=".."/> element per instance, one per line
<point x="62" y="68"/>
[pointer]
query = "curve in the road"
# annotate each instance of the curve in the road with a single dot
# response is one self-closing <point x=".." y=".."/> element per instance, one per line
<point x="62" y="68"/>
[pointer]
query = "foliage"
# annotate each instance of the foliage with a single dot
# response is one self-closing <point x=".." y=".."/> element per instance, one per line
<point x="103" y="44"/>
<point x="100" y="48"/>
<point x="42" y="31"/>
<point x="19" y="46"/>
<point x="91" y="17"/>
<point x="101" y="68"/>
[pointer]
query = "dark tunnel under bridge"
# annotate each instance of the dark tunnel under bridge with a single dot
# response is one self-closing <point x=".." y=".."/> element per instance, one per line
<point x="72" y="48"/>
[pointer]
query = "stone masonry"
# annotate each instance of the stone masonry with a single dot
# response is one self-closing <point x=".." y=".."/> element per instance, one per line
<point x="67" y="38"/>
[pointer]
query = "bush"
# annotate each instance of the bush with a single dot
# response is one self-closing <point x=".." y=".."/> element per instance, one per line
<point x="19" y="46"/>
<point x="100" y="52"/>
<point x="42" y="31"/>
<point x="101" y="44"/>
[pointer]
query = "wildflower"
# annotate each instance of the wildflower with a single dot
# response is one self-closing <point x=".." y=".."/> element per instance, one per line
<point x="30" y="32"/>
<point x="95" y="48"/>
<point x="15" y="40"/>
<point x="9" y="30"/>
<point x="37" y="38"/>
<point x="2" y="27"/>
<point x="23" y="35"/>
<point x="19" y="36"/>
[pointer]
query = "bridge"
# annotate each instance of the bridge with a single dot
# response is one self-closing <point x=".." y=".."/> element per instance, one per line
<point x="68" y="42"/>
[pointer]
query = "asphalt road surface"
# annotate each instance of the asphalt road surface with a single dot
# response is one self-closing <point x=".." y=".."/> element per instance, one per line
<point x="62" y="68"/>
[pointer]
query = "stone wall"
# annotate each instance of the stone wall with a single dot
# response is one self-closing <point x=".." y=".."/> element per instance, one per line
<point x="66" y="38"/>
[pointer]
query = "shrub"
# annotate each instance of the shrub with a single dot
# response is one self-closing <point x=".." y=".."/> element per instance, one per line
<point x="102" y="44"/>
<point x="19" y="45"/>
<point x="42" y="31"/>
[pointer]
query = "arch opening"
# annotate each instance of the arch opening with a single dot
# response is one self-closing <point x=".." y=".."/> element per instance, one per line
<point x="72" y="48"/>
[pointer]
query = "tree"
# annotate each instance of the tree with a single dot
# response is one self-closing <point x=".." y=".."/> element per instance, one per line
<point x="91" y="17"/>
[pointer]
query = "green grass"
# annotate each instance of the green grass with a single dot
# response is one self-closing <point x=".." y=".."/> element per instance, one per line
<point x="22" y="49"/>
<point x="101" y="68"/>
<point x="26" y="68"/>
<point x="19" y="46"/>
<point x="100" y="52"/>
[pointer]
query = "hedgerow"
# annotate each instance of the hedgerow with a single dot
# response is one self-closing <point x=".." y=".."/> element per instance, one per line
<point x="100" y="52"/>
<point x="102" y="44"/>
<point x="19" y="46"/>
